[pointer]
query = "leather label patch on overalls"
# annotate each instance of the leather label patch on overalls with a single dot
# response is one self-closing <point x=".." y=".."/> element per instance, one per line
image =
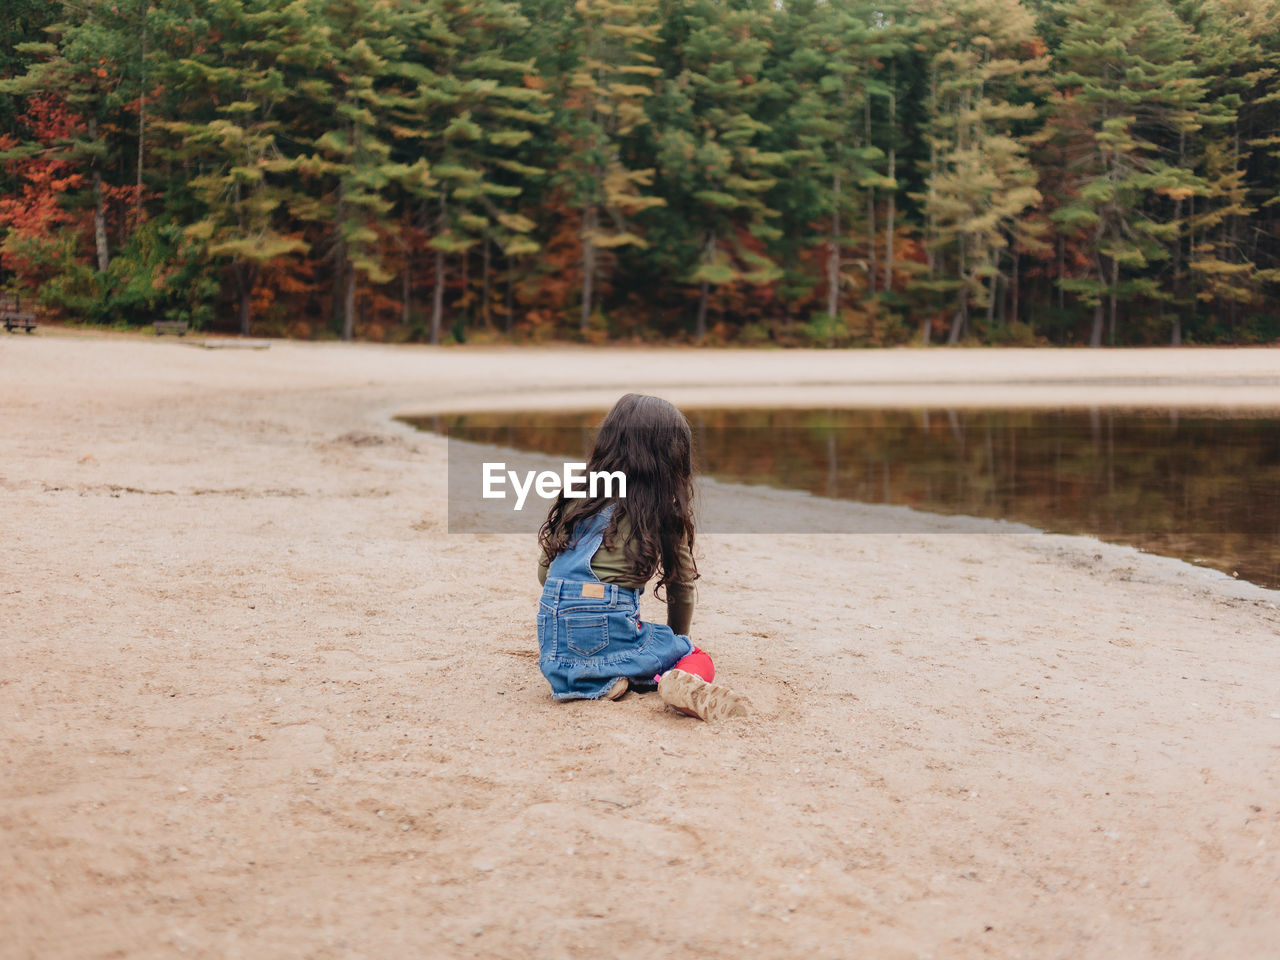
<point x="595" y="590"/>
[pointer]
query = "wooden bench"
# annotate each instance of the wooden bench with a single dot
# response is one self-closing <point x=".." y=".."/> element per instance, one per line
<point x="171" y="326"/>
<point x="12" y="314"/>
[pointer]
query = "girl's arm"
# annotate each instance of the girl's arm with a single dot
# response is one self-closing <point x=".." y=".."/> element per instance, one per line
<point x="680" y="597"/>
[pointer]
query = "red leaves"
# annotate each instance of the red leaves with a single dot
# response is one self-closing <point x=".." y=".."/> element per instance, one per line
<point x="33" y="213"/>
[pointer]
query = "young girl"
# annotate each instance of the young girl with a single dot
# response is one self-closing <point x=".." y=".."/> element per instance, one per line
<point x="598" y="554"/>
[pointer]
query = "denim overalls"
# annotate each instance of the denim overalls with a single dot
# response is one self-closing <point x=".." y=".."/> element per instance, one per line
<point x="590" y="632"/>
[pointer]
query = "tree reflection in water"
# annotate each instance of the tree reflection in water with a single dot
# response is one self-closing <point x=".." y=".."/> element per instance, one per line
<point x="1200" y="485"/>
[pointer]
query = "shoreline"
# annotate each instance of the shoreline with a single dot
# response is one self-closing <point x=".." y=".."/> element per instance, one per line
<point x="258" y="701"/>
<point x="497" y="518"/>
<point x="856" y="517"/>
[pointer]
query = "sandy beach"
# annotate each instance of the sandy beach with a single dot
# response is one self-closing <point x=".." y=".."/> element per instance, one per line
<point x="256" y="701"/>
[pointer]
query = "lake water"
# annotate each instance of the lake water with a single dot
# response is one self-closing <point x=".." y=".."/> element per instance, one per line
<point x="1198" y="485"/>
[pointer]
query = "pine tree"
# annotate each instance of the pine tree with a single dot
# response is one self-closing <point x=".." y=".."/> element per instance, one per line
<point x="361" y="58"/>
<point x="713" y="171"/>
<point x="1229" y="53"/>
<point x="603" y="102"/>
<point x="796" y="110"/>
<point x="242" y="191"/>
<point x="472" y="110"/>
<point x="979" y="179"/>
<point x="24" y="22"/>
<point x="1125" y="89"/>
<point x="834" y="121"/>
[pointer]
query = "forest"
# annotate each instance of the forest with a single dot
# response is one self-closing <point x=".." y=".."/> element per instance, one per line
<point x="789" y="172"/>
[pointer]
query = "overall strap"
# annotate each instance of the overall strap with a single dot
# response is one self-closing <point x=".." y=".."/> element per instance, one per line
<point x="575" y="562"/>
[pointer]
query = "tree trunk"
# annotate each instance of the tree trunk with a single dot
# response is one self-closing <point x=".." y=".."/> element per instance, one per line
<point x="246" y="278"/>
<point x="99" y="207"/>
<point x="464" y="301"/>
<point x="406" y="314"/>
<point x="1014" y="306"/>
<point x="437" y="292"/>
<point x="961" y="318"/>
<point x="511" y="295"/>
<point x="1191" y="247"/>
<point x="437" y="298"/>
<point x="833" y="255"/>
<point x="958" y="322"/>
<point x="335" y="292"/>
<point x="1111" y="295"/>
<point x="1175" y="335"/>
<point x="142" y="114"/>
<point x="589" y="223"/>
<point x="339" y="256"/>
<point x="349" y="277"/>
<point x="1099" y="313"/>
<point x="1233" y="233"/>
<point x="349" y="304"/>
<point x="1062" y="271"/>
<point x="700" y="331"/>
<point x="485" y="312"/>
<point x="871" y="243"/>
<point x="931" y="232"/>
<point x="1095" y="336"/>
<point x="871" y="205"/>
<point x="891" y="201"/>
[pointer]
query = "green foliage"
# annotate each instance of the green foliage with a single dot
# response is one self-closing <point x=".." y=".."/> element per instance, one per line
<point x="157" y="275"/>
<point x="1129" y="88"/>
<point x="1006" y="170"/>
<point x="824" y="330"/>
<point x="982" y="59"/>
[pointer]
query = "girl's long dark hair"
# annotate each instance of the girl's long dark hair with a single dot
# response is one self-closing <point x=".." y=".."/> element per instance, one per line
<point x="649" y="440"/>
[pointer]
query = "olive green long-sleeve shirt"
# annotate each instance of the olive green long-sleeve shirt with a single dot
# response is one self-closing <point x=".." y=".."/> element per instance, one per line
<point x="611" y="566"/>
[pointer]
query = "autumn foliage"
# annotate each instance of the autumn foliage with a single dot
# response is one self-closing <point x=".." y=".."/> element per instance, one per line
<point x="795" y="173"/>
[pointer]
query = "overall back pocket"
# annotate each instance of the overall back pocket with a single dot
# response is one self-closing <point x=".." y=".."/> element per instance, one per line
<point x="586" y="634"/>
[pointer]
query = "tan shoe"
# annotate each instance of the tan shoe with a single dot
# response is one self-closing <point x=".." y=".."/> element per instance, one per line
<point x="620" y="686"/>
<point x="707" y="701"/>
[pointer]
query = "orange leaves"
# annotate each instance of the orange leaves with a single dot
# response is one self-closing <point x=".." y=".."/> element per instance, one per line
<point x="48" y="118"/>
<point x="284" y="289"/>
<point x="35" y="211"/>
<point x="553" y="288"/>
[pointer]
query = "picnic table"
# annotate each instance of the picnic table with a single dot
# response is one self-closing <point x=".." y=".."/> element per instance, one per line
<point x="12" y="314"/>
